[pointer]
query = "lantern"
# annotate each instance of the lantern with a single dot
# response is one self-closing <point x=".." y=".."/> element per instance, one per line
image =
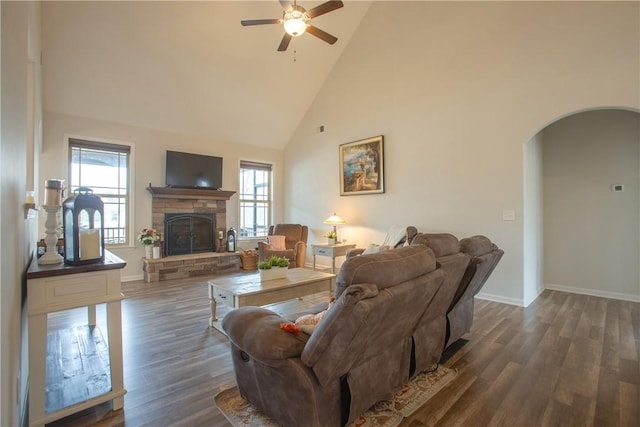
<point x="231" y="240"/>
<point x="83" y="222"/>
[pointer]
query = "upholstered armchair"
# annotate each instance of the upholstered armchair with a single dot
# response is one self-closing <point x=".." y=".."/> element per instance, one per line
<point x="294" y="246"/>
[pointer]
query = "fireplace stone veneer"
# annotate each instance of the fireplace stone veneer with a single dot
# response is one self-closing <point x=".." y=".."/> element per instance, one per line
<point x="168" y="200"/>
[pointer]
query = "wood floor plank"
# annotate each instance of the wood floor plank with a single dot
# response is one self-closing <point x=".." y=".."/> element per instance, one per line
<point x="566" y="360"/>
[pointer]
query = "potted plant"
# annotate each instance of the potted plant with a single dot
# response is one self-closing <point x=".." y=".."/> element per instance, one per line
<point x="148" y="237"/>
<point x="273" y="268"/>
<point x="331" y="237"/>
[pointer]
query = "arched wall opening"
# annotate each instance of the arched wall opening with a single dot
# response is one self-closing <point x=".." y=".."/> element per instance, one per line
<point x="582" y="205"/>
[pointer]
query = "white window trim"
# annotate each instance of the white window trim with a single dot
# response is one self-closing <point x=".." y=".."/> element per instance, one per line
<point x="132" y="193"/>
<point x="271" y="197"/>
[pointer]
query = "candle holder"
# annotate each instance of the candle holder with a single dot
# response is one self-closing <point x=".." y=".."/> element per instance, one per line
<point x="51" y="256"/>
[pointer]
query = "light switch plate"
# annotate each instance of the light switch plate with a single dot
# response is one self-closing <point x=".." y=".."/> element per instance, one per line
<point x="508" y="215"/>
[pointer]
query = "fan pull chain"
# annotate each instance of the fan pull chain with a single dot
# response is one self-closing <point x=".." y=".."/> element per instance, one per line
<point x="294" y="55"/>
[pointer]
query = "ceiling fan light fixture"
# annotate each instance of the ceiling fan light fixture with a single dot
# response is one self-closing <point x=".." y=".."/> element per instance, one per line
<point x="295" y="22"/>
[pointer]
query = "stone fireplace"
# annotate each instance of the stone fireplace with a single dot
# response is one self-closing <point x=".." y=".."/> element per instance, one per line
<point x="190" y="220"/>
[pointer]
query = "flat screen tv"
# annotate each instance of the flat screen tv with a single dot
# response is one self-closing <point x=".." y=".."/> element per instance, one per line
<point x="186" y="170"/>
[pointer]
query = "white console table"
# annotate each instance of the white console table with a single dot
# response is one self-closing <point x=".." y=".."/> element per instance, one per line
<point x="59" y="287"/>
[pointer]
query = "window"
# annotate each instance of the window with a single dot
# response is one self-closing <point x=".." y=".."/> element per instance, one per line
<point x="104" y="168"/>
<point x="255" y="199"/>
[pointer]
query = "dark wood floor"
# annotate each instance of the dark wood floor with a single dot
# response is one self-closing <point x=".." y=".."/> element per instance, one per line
<point x="566" y="360"/>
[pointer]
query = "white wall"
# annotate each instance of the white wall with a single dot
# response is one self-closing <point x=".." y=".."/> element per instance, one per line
<point x="20" y="135"/>
<point x="457" y="88"/>
<point x="592" y="234"/>
<point x="148" y="166"/>
<point x="533" y="218"/>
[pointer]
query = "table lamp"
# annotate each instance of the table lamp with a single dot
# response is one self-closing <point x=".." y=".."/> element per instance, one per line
<point x="334" y="220"/>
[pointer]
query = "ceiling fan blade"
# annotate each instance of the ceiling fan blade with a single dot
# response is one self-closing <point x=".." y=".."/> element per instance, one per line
<point x="322" y="35"/>
<point x="284" y="44"/>
<point x="259" y="22"/>
<point x="324" y="8"/>
<point x="285" y="4"/>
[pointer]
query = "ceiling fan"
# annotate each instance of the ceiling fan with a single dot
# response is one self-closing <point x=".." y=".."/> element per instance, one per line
<point x="295" y="20"/>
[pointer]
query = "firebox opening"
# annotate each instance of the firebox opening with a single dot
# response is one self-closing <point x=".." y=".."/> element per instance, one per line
<point x="187" y="233"/>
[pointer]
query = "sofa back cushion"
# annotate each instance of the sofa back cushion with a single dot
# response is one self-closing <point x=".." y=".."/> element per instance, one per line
<point x="441" y="244"/>
<point x="385" y="269"/>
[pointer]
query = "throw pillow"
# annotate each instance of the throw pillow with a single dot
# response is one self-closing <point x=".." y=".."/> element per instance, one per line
<point x="308" y="322"/>
<point x="374" y="249"/>
<point x="277" y="242"/>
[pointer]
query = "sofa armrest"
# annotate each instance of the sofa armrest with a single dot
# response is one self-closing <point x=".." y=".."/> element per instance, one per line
<point x="257" y="332"/>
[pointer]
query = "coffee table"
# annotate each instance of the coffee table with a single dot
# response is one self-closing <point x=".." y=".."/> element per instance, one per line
<point x="247" y="289"/>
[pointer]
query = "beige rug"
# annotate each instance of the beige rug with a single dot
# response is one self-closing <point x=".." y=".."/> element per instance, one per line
<point x="388" y="413"/>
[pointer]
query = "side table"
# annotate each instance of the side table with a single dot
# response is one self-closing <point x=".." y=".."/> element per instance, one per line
<point x="333" y="251"/>
<point x="59" y="287"/>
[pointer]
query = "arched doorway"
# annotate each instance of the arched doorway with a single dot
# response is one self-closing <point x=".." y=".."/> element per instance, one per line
<point x="582" y="206"/>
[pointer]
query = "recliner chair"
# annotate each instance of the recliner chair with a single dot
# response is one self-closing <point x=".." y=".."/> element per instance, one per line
<point x="485" y="255"/>
<point x="431" y="336"/>
<point x="295" y="244"/>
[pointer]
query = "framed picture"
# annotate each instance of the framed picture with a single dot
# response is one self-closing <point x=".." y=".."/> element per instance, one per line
<point x="362" y="167"/>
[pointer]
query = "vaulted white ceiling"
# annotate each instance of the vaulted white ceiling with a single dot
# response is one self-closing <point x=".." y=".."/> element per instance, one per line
<point x="188" y="67"/>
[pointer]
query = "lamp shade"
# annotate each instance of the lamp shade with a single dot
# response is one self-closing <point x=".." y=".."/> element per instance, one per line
<point x="295" y="22"/>
<point x="334" y="220"/>
<point x="295" y="27"/>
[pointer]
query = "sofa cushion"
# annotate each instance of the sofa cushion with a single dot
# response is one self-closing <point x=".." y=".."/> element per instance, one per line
<point x="257" y="331"/>
<point x="476" y="245"/>
<point x="386" y="269"/>
<point x="442" y="244"/>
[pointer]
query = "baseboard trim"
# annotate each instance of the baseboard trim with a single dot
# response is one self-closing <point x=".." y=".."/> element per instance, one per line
<point x="132" y="278"/>
<point x="499" y="298"/>
<point x="593" y="292"/>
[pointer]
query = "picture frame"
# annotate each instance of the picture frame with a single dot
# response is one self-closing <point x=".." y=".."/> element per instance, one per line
<point x="362" y="166"/>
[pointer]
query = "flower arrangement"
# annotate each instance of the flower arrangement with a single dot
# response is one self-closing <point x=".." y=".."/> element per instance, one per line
<point x="148" y="236"/>
<point x="331" y="235"/>
<point x="274" y="261"/>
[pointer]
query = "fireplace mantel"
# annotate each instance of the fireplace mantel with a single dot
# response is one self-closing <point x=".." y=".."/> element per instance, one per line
<point x="189" y="193"/>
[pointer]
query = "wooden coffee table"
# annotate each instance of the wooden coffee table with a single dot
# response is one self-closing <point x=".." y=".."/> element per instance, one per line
<point x="240" y="291"/>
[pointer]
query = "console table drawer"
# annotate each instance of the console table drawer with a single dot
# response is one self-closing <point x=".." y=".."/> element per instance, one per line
<point x="63" y="292"/>
<point x="224" y="296"/>
<point x="323" y="251"/>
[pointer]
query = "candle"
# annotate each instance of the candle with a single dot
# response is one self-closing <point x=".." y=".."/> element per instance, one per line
<point x="89" y="244"/>
<point x="53" y="192"/>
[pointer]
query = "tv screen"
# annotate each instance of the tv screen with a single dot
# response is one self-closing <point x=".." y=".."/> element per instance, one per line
<point x="188" y="170"/>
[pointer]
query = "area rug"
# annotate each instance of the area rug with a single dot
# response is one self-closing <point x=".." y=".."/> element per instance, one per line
<point x="388" y="413"/>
